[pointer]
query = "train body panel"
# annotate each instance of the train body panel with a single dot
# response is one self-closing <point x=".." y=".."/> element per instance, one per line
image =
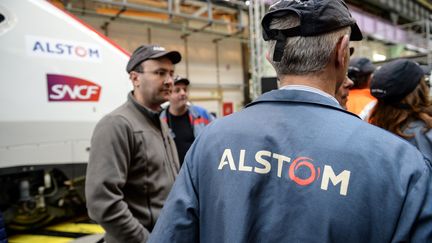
<point x="58" y="77"/>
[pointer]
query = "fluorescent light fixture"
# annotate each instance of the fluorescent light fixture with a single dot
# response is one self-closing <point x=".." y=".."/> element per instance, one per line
<point x="422" y="50"/>
<point x="377" y="37"/>
<point x="378" y="57"/>
<point x="411" y="47"/>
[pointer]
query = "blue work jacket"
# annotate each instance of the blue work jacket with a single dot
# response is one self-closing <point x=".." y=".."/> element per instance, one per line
<point x="422" y="138"/>
<point x="3" y="236"/>
<point x="199" y="118"/>
<point x="295" y="167"/>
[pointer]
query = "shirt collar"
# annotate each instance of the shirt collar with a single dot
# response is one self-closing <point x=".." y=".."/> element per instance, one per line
<point x="310" y="89"/>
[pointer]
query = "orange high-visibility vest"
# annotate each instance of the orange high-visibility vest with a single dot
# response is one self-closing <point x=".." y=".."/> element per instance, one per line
<point x="360" y="102"/>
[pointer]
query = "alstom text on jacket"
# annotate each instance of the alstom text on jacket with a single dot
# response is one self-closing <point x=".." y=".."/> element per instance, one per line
<point x="310" y="172"/>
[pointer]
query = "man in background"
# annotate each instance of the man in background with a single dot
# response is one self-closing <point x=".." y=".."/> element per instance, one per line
<point x="361" y="101"/>
<point x="133" y="160"/>
<point x="185" y="120"/>
<point x="343" y="92"/>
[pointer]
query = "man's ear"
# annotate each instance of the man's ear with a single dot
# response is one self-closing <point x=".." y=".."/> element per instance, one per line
<point x="342" y="52"/>
<point x="267" y="56"/>
<point x="133" y="76"/>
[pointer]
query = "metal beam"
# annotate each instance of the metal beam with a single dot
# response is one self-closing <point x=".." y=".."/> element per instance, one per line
<point x="164" y="11"/>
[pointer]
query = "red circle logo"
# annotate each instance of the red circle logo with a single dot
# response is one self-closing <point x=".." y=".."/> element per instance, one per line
<point x="303" y="162"/>
<point x="80" y="51"/>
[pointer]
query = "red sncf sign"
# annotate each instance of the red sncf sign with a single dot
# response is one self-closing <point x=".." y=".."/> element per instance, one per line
<point x="67" y="88"/>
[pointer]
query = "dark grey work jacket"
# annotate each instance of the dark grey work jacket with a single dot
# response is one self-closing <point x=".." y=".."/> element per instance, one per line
<point x="132" y="166"/>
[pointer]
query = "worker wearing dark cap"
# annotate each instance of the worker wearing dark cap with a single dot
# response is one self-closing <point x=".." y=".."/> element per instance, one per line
<point x="427" y="72"/>
<point x="293" y="166"/>
<point x="343" y="92"/>
<point x="133" y="160"/>
<point x="403" y="106"/>
<point x="360" y="100"/>
<point x="186" y="121"/>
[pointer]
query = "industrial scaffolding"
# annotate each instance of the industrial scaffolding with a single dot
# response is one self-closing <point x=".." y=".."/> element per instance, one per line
<point x="256" y="13"/>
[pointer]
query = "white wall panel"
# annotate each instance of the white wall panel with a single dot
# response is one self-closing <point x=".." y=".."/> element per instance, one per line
<point x="230" y="62"/>
<point x="201" y="59"/>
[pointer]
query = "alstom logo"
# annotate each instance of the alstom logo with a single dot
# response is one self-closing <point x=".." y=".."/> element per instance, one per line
<point x="301" y="170"/>
<point x="67" y="88"/>
<point x="63" y="49"/>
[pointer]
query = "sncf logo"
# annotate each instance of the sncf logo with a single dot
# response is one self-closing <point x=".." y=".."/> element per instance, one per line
<point x="67" y="88"/>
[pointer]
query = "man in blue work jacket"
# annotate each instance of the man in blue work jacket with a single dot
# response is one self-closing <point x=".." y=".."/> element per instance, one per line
<point x="293" y="166"/>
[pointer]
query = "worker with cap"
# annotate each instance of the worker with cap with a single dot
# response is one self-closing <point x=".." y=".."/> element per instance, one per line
<point x="133" y="159"/>
<point x="403" y="106"/>
<point x="185" y="120"/>
<point x="360" y="100"/>
<point x="427" y="72"/>
<point x="343" y="92"/>
<point x="293" y="166"/>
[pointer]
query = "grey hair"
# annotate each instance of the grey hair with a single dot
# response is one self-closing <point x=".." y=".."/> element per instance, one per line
<point x="303" y="55"/>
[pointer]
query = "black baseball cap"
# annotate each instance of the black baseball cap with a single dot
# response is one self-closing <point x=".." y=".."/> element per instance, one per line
<point x="395" y="80"/>
<point x="146" y="52"/>
<point x="316" y="17"/>
<point x="426" y="69"/>
<point x="361" y="65"/>
<point x="179" y="79"/>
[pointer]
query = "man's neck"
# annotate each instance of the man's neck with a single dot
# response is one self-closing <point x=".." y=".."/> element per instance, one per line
<point x="321" y="82"/>
<point x="177" y="111"/>
<point x="152" y="107"/>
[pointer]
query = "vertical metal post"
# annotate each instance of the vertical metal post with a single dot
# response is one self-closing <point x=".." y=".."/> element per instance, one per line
<point x="246" y="74"/>
<point x="185" y="39"/>
<point x="210" y="11"/>
<point x="219" y="87"/>
<point x="170" y="8"/>
<point x="256" y="11"/>
<point x="252" y="49"/>
<point x="149" y="36"/>
<point x="428" y="44"/>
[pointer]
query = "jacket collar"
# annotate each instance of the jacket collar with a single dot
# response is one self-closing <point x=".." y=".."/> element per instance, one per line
<point x="298" y="96"/>
<point x="153" y="116"/>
